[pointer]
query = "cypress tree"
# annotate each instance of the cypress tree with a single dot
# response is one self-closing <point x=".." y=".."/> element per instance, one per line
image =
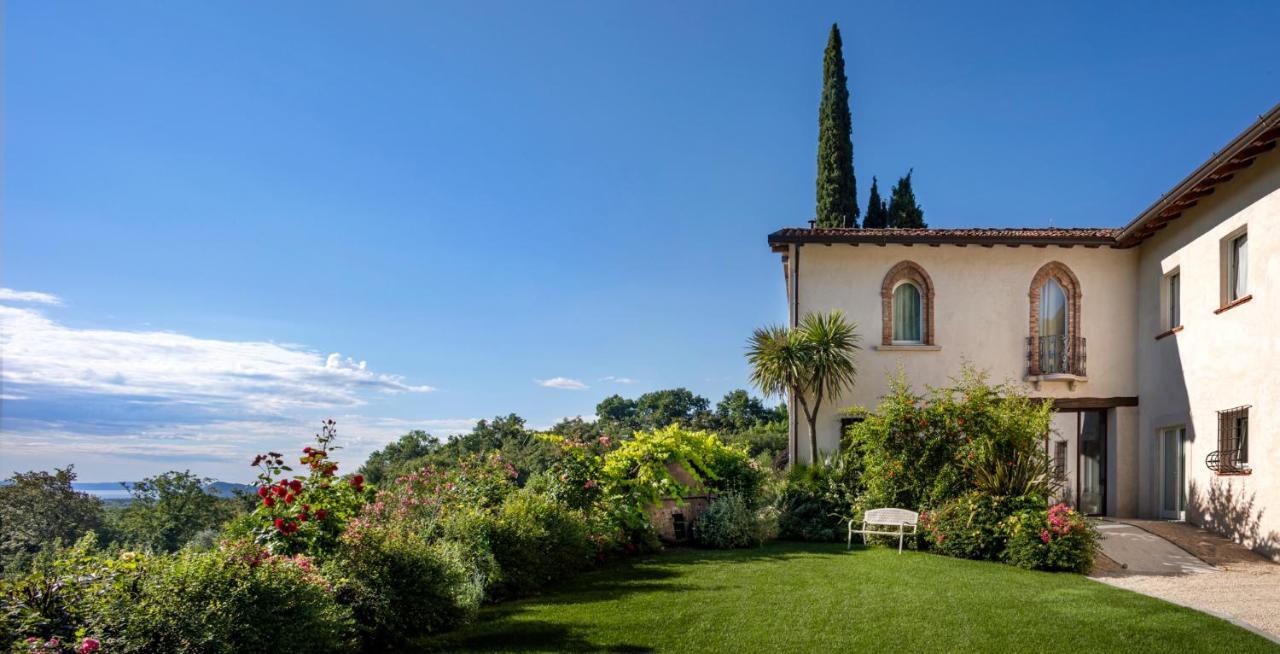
<point x="877" y="209"/>
<point x="903" y="210"/>
<point x="837" y="187"/>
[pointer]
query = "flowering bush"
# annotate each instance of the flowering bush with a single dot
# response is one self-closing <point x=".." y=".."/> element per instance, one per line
<point x="305" y="513"/>
<point x="925" y="450"/>
<point x="239" y="599"/>
<point x="969" y="526"/>
<point x="1057" y="539"/>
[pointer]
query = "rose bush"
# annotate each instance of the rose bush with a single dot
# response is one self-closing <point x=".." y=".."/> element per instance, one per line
<point x="305" y="513"/>
<point x="1059" y="538"/>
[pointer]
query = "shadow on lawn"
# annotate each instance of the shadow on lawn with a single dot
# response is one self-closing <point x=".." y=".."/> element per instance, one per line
<point x="499" y="629"/>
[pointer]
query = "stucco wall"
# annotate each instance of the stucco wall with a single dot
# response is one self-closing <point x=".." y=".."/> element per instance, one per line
<point x="1218" y="361"/>
<point x="981" y="316"/>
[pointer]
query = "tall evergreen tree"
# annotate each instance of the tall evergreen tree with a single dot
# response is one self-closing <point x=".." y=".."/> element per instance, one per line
<point x="877" y="209"/>
<point x="837" y="187"/>
<point x="903" y="210"/>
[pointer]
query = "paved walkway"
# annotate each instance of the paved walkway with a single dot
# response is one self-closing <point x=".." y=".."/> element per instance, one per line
<point x="1222" y="578"/>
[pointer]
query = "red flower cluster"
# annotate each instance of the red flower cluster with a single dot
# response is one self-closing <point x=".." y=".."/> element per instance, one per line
<point x="319" y="461"/>
<point x="285" y="490"/>
<point x="357" y="482"/>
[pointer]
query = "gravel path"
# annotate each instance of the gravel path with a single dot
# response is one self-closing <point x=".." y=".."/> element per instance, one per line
<point x="1245" y="589"/>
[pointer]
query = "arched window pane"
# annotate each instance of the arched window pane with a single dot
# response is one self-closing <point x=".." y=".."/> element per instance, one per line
<point x="906" y="314"/>
<point x="1053" y="309"/>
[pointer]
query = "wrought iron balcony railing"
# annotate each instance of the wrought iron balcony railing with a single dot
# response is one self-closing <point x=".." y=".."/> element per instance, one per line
<point x="1056" y="355"/>
<point x="1225" y="462"/>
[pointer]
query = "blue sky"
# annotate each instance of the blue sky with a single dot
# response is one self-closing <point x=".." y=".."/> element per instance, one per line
<point x="225" y="221"/>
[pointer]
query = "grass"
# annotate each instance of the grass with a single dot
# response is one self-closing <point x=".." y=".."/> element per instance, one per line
<point x="790" y="597"/>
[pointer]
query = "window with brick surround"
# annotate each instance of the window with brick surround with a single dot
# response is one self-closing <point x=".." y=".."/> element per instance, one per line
<point x="906" y="305"/>
<point x="1054" y="343"/>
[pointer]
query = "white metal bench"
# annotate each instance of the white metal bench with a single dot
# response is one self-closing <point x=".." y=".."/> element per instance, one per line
<point x="885" y="519"/>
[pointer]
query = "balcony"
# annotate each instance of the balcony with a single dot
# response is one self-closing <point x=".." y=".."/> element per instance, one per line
<point x="1056" y="358"/>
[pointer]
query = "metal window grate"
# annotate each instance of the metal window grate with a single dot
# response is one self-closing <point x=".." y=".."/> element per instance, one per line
<point x="1232" y="455"/>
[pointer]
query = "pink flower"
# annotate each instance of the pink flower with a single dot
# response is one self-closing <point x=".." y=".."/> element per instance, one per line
<point x="88" y="645"/>
<point x="1044" y="535"/>
<point x="591" y="483"/>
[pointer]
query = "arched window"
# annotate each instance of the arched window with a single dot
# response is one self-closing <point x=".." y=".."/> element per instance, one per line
<point x="907" y="316"/>
<point x="1055" y="345"/>
<point x="906" y="298"/>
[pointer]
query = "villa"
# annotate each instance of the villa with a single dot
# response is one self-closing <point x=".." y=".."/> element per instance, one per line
<point x="1156" y="342"/>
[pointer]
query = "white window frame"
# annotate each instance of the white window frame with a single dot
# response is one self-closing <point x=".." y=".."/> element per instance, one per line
<point x="893" y="318"/>
<point x="1171" y="299"/>
<point x="1229" y="266"/>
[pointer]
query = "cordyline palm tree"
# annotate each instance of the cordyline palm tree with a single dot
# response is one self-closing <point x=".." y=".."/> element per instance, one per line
<point x="812" y="361"/>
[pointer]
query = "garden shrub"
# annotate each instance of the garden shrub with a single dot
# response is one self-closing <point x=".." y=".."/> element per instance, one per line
<point x="536" y="542"/>
<point x="1055" y="539"/>
<point x="920" y="451"/>
<point x="401" y="585"/>
<point x="730" y="521"/>
<point x="636" y="475"/>
<point x="206" y="602"/>
<point x="970" y="526"/>
<point x="807" y="510"/>
<point x="304" y="513"/>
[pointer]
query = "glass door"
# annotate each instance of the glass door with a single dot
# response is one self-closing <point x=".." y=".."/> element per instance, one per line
<point x="1093" y="462"/>
<point x="1173" y="464"/>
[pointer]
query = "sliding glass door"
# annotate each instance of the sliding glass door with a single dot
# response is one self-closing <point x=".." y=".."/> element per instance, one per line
<point x="1093" y="462"/>
<point x="1173" y="467"/>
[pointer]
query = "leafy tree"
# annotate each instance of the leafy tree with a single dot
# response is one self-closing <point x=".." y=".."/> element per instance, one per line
<point x="662" y="408"/>
<point x="904" y="212"/>
<point x="739" y="411"/>
<point x="877" y="209"/>
<point x="38" y="508"/>
<point x="813" y="361"/>
<point x="577" y="429"/>
<point x="495" y="434"/>
<point x="413" y="445"/>
<point x="837" y="186"/>
<point x="169" y="509"/>
<point x="617" y="410"/>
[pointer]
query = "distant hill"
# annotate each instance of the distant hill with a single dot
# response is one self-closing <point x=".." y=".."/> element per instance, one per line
<point x="119" y="490"/>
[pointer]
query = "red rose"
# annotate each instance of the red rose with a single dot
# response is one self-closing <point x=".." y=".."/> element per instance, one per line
<point x="288" y="499"/>
<point x="321" y="514"/>
<point x="280" y="524"/>
<point x="295" y="485"/>
<point x="262" y="491"/>
<point x="268" y="501"/>
<point x="302" y="517"/>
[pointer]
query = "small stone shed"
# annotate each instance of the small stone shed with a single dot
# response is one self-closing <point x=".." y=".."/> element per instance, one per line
<point x="674" y="520"/>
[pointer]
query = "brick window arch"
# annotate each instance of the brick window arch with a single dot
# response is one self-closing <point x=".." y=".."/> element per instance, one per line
<point x="1071" y="357"/>
<point x="907" y="272"/>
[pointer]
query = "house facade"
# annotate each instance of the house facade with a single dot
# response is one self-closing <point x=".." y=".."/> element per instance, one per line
<point x="1156" y="342"/>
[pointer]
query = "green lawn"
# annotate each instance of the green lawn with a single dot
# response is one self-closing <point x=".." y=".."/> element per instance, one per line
<point x="790" y="597"/>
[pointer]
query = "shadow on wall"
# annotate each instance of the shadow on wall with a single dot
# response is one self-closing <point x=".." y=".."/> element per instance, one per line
<point x="1227" y="510"/>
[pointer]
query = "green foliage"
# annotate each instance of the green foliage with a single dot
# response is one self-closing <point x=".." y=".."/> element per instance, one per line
<point x="813" y="361"/>
<point x="731" y="521"/>
<point x="654" y="410"/>
<point x="41" y="508"/>
<point x="401" y="584"/>
<point x="382" y="464"/>
<point x="639" y="470"/>
<point x="808" y="509"/>
<point x="1055" y="539"/>
<point x="230" y="601"/>
<point x="739" y="412"/>
<point x="904" y="212"/>
<point x="536" y="542"/>
<point x="837" y="186"/>
<point x="919" y="452"/>
<point x="305" y="513"/>
<point x="969" y="526"/>
<point x="877" y="209"/>
<point x="1004" y="470"/>
<point x="168" y="510"/>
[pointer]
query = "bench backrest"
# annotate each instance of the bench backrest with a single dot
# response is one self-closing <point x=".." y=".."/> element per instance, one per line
<point x="891" y="517"/>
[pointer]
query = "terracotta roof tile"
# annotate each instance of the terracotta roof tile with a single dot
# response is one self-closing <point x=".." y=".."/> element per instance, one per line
<point x="977" y="235"/>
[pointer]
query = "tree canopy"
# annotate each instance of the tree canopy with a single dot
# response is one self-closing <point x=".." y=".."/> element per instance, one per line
<point x="837" y="185"/>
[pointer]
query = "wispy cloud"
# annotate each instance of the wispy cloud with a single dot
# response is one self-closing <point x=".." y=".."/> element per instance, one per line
<point x="40" y="354"/>
<point x="562" y="383"/>
<point x="113" y="398"/>
<point x="34" y="297"/>
<point x="618" y="380"/>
